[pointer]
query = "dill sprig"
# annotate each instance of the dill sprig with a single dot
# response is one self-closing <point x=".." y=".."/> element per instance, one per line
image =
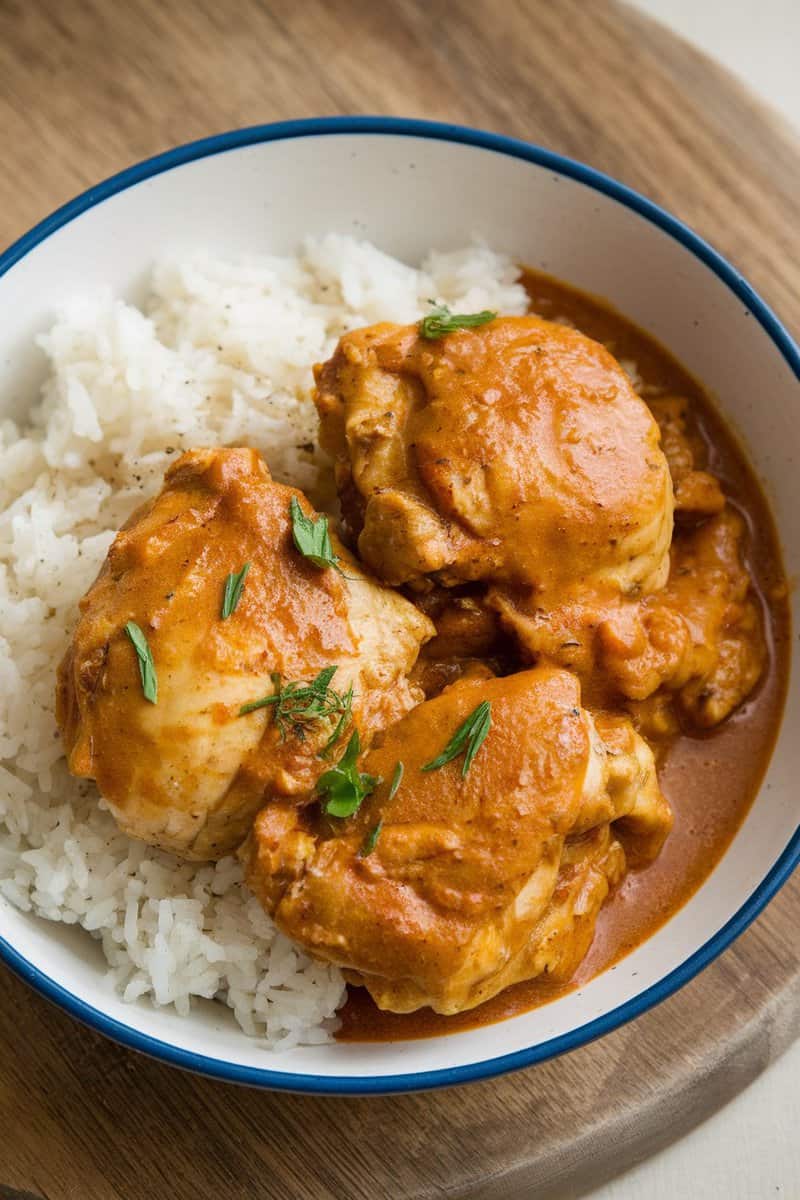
<point x="298" y="706"/>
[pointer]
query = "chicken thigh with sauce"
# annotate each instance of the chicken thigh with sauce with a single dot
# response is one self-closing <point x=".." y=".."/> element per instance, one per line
<point x="700" y="637"/>
<point x="516" y="452"/>
<point x="475" y="880"/>
<point x="518" y="456"/>
<point x="189" y="772"/>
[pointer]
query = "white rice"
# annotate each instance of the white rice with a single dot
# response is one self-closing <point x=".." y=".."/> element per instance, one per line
<point x="223" y="355"/>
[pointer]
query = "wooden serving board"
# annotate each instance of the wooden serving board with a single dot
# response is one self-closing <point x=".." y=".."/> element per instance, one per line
<point x="87" y="87"/>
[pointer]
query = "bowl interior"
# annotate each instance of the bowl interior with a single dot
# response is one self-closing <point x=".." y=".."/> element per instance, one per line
<point x="408" y="193"/>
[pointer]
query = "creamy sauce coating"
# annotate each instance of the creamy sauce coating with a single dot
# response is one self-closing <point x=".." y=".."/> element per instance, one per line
<point x="710" y="780"/>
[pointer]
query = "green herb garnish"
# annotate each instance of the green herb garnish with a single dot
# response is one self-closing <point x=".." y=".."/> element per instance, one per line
<point x="234" y="586"/>
<point x="345" y="717"/>
<point x="311" y="537"/>
<point x="372" y="837"/>
<point x="147" y="668"/>
<point x="344" y="788"/>
<point x="441" y="321"/>
<point x="471" y="735"/>
<point x="395" y="784"/>
<point x="299" y="705"/>
<point x="371" y="840"/>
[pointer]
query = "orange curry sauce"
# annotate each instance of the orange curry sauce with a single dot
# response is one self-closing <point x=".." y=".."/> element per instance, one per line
<point x="710" y="780"/>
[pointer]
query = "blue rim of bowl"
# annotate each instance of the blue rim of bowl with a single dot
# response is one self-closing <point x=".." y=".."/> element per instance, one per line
<point x="778" y="873"/>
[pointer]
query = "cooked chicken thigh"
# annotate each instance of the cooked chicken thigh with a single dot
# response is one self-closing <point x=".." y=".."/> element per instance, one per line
<point x="189" y="772"/>
<point x="516" y="452"/>
<point x="701" y="637"/>
<point x="473" y="881"/>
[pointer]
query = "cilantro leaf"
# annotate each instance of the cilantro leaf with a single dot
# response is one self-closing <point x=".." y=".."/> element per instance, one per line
<point x="344" y="788"/>
<point x="311" y="537"/>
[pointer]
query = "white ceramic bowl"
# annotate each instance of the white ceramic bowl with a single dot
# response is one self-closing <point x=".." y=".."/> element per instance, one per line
<point x="410" y="186"/>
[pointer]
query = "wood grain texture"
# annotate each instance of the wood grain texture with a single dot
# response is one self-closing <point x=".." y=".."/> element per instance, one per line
<point x="87" y="87"/>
